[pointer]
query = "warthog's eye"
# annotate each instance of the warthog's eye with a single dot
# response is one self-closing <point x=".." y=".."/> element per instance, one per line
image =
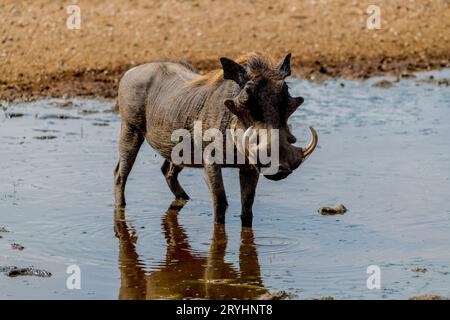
<point x="247" y="92"/>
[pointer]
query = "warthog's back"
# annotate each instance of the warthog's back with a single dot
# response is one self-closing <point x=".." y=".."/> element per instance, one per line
<point x="158" y="98"/>
<point x="152" y="81"/>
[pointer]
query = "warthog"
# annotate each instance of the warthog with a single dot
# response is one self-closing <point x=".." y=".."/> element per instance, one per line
<point x="155" y="99"/>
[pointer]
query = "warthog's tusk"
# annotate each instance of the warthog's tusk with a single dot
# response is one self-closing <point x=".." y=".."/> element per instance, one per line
<point x="240" y="145"/>
<point x="250" y="133"/>
<point x="247" y="133"/>
<point x="311" y="146"/>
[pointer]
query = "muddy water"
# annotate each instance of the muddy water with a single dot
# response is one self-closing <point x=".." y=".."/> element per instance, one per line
<point x="384" y="153"/>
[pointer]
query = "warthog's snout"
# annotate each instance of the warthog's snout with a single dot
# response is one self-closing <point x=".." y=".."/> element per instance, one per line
<point x="280" y="175"/>
<point x="293" y="157"/>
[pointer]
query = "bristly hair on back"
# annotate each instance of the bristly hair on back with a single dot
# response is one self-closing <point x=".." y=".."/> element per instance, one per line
<point x="253" y="62"/>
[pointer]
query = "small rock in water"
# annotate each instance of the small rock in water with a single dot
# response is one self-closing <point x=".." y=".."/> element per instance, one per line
<point x="277" y="295"/>
<point x="50" y="137"/>
<point x="325" y="298"/>
<point x="11" y="115"/>
<point x="428" y="297"/>
<point x="421" y="270"/>
<point x="100" y="124"/>
<point x="438" y="82"/>
<point x="17" y="246"/>
<point x="328" y="211"/>
<point x="56" y="116"/>
<point x="14" y="271"/>
<point x="45" y="130"/>
<point x="407" y="75"/>
<point x="63" y="104"/>
<point x="88" y="111"/>
<point x="382" y="84"/>
<point x="443" y="82"/>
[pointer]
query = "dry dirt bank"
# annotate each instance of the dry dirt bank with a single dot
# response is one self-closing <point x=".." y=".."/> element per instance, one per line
<point x="40" y="56"/>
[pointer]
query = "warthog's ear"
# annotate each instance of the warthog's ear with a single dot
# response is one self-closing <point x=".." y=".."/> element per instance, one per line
<point x="233" y="107"/>
<point x="284" y="66"/>
<point x="233" y="71"/>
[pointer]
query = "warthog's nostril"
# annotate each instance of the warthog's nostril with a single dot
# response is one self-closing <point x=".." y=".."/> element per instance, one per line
<point x="291" y="139"/>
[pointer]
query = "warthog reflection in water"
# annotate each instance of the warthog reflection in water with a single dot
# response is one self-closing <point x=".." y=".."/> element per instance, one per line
<point x="185" y="274"/>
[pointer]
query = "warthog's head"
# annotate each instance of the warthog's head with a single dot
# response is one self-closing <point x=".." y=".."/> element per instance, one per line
<point x="264" y="102"/>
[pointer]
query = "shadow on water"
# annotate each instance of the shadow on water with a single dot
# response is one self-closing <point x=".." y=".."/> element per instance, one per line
<point x="185" y="273"/>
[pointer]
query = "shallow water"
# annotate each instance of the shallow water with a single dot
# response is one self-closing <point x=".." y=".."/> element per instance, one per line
<point x="384" y="153"/>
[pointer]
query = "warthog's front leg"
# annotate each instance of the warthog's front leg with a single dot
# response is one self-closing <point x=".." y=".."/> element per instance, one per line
<point x="248" y="178"/>
<point x="213" y="177"/>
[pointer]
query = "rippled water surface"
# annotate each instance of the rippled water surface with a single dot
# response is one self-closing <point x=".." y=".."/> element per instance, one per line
<point x="384" y="153"/>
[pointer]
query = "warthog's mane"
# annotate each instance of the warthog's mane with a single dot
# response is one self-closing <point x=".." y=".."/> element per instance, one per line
<point x="253" y="62"/>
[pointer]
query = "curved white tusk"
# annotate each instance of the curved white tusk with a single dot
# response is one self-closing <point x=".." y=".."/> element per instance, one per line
<point x="312" y="145"/>
<point x="240" y="145"/>
<point x="247" y="133"/>
<point x="250" y="133"/>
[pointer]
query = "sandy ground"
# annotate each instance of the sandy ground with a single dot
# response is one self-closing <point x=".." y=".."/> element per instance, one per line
<point x="40" y="56"/>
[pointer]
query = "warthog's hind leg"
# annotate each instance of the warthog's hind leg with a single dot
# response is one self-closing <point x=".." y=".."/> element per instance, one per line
<point x="130" y="142"/>
<point x="170" y="172"/>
